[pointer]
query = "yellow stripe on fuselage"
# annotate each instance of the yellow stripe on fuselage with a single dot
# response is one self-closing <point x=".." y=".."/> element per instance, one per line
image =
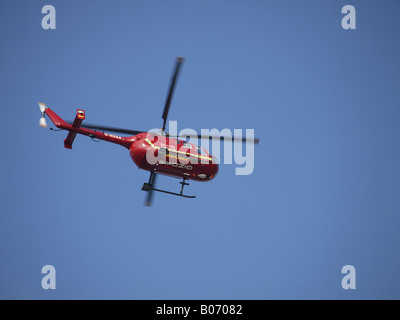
<point x="180" y="152"/>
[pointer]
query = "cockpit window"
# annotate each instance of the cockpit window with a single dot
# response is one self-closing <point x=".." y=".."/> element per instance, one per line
<point x="201" y="151"/>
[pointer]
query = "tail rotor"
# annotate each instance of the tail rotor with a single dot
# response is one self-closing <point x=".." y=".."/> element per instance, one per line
<point x="42" y="121"/>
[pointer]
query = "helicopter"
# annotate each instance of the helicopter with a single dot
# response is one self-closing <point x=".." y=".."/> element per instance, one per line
<point x="156" y="152"/>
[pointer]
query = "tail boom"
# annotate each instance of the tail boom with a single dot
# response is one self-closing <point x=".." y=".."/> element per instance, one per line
<point x="75" y="128"/>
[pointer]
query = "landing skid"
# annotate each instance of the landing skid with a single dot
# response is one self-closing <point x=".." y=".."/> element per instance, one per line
<point x="175" y="194"/>
<point x="150" y="187"/>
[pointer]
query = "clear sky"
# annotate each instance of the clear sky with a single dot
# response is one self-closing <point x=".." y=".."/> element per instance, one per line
<point x="324" y="101"/>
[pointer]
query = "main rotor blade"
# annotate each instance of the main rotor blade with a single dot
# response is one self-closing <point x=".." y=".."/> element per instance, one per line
<point x="149" y="200"/>
<point x="178" y="65"/>
<point x="234" y="139"/>
<point x="111" y="129"/>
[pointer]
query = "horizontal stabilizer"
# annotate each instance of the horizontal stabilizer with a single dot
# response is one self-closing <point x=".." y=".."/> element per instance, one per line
<point x="80" y="116"/>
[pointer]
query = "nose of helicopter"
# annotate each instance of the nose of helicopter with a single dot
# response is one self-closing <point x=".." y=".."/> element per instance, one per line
<point x="205" y="172"/>
<point x="214" y="167"/>
<point x="214" y="171"/>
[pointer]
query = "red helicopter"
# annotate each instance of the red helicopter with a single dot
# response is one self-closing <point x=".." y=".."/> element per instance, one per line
<point x="158" y="153"/>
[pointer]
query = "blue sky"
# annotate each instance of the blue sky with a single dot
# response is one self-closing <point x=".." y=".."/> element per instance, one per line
<point x="324" y="192"/>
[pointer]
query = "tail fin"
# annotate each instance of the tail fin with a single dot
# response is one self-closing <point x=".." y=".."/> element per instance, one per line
<point x="80" y="116"/>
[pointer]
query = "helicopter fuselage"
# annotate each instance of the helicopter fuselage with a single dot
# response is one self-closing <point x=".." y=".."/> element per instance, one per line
<point x="172" y="157"/>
